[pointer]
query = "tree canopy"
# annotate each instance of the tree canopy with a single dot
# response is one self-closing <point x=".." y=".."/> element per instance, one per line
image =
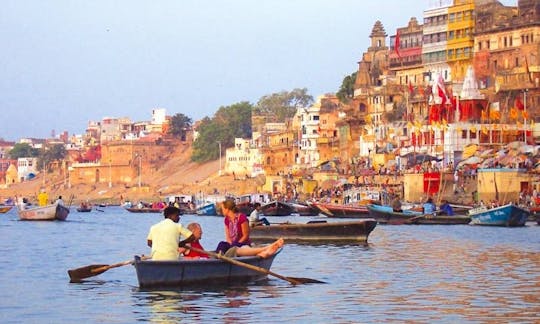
<point x="48" y="154"/>
<point x="21" y="150"/>
<point x="278" y="107"/>
<point x="179" y="125"/>
<point x="346" y="91"/>
<point x="228" y="123"/>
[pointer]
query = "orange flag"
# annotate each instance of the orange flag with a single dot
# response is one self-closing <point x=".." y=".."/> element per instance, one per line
<point x="513" y="113"/>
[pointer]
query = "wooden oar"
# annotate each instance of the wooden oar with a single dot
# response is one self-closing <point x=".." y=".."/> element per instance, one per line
<point x="292" y="280"/>
<point x="406" y="221"/>
<point x="325" y="210"/>
<point x="75" y="275"/>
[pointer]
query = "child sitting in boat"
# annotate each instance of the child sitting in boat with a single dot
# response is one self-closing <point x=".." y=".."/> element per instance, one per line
<point x="245" y="250"/>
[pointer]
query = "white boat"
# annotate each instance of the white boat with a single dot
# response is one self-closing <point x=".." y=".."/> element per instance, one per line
<point x="49" y="212"/>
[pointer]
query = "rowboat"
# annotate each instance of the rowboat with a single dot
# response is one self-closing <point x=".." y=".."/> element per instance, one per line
<point x="84" y="209"/>
<point x="386" y="215"/>
<point x="144" y="210"/>
<point x="5" y="209"/>
<point x="199" y="272"/>
<point x="303" y="209"/>
<point x="208" y="209"/>
<point x="342" y="211"/>
<point x="49" y="212"/>
<point x="508" y="215"/>
<point x="316" y="231"/>
<point x="276" y="208"/>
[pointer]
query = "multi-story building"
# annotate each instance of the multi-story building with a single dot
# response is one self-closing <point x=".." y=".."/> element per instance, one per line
<point x="434" y="44"/>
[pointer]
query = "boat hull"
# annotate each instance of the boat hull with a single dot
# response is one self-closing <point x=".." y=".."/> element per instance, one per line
<point x="198" y="272"/>
<point x="84" y="210"/>
<point x="44" y="213"/>
<point x="385" y="215"/>
<point x="207" y="210"/>
<point x="317" y="231"/>
<point x="143" y="210"/>
<point x="342" y="211"/>
<point x="507" y="215"/>
<point x="5" y="209"/>
<point x="277" y="208"/>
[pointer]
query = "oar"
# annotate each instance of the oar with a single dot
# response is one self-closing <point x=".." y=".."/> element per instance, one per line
<point x="325" y="210"/>
<point x="75" y="275"/>
<point x="292" y="280"/>
<point x="405" y="221"/>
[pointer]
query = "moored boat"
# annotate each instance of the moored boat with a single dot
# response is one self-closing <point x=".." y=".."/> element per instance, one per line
<point x="199" y="272"/>
<point x="276" y="208"/>
<point x="84" y="209"/>
<point x="208" y="209"/>
<point x="143" y="210"/>
<point x="303" y="209"/>
<point x="316" y="231"/>
<point x="49" y="212"/>
<point x="386" y="215"/>
<point x="342" y="211"/>
<point x="508" y="215"/>
<point x="5" y="209"/>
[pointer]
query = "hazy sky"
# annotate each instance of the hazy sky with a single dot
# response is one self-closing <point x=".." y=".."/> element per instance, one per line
<point x="64" y="63"/>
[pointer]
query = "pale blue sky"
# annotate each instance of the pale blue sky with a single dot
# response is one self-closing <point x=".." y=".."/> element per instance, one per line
<point x="64" y="63"/>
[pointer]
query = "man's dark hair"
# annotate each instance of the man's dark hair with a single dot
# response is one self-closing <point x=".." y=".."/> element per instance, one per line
<point x="170" y="211"/>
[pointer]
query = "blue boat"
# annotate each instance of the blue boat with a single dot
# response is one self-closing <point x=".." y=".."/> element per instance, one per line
<point x="507" y="215"/>
<point x="208" y="209"/>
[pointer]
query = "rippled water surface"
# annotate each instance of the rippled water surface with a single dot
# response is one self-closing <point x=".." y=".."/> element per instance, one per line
<point x="459" y="273"/>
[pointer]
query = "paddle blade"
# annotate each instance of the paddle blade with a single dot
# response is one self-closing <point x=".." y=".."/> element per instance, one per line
<point x="306" y="280"/>
<point x="75" y="275"/>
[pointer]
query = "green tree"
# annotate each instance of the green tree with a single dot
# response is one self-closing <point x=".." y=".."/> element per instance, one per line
<point x="346" y="91"/>
<point x="179" y="125"/>
<point x="21" y="150"/>
<point x="228" y="123"/>
<point x="53" y="153"/>
<point x="278" y="107"/>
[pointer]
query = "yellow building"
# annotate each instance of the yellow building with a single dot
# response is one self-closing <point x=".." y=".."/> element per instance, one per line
<point x="503" y="185"/>
<point x="460" y="39"/>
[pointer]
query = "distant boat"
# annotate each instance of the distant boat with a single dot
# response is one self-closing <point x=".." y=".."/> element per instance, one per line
<point x="208" y="209"/>
<point x="277" y="208"/>
<point x="508" y="215"/>
<point x="49" y="212"/>
<point x="303" y="209"/>
<point x="341" y="210"/>
<point x="84" y="208"/>
<point x="386" y="215"/>
<point x="143" y="210"/>
<point x="5" y="209"/>
<point x="316" y="231"/>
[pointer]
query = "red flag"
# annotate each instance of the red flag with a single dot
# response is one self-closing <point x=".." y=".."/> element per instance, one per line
<point x="441" y="94"/>
<point x="411" y="89"/>
<point x="519" y="104"/>
<point x="396" y="45"/>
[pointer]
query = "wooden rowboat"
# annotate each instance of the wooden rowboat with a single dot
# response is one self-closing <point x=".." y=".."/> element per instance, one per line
<point x="49" y="212"/>
<point x="277" y="208"/>
<point x="316" y="231"/>
<point x="199" y="272"/>
<point x="144" y="210"/>
<point x="5" y="209"/>
<point x="385" y="215"/>
<point x="341" y="210"/>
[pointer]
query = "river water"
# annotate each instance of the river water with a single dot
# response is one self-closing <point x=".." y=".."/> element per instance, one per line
<point x="407" y="273"/>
